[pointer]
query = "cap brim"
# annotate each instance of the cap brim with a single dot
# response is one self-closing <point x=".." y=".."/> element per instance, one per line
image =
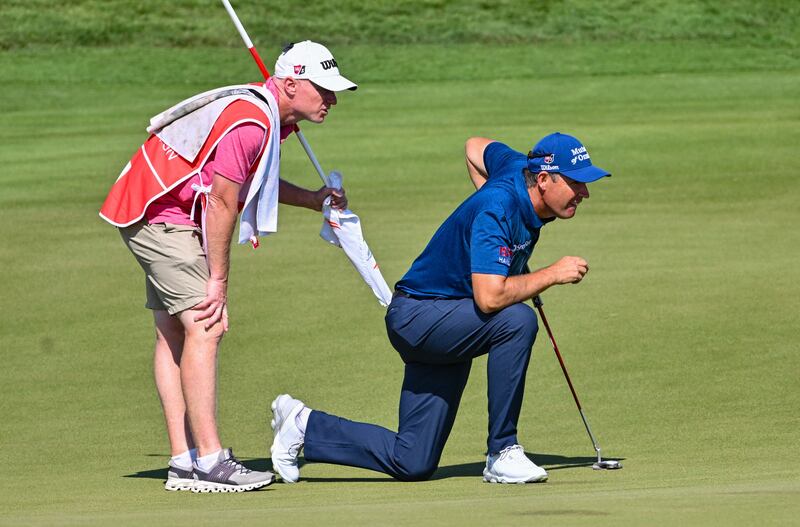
<point x="334" y="83"/>
<point x="586" y="174"/>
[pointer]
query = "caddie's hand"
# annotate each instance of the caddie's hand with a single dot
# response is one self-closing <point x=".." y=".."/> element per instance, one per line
<point x="569" y="270"/>
<point x="214" y="308"/>
<point x="338" y="198"/>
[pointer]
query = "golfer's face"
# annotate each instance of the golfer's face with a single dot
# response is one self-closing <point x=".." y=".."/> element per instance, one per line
<point x="564" y="195"/>
<point x="314" y="101"/>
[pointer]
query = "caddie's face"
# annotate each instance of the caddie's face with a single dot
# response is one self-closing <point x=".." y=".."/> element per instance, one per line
<point x="561" y="194"/>
<point x="313" y="102"/>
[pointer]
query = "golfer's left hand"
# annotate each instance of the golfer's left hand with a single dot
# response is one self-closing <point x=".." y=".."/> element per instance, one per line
<point x="338" y="198"/>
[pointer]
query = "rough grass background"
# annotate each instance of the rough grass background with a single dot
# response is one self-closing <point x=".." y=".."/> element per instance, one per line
<point x="189" y="23"/>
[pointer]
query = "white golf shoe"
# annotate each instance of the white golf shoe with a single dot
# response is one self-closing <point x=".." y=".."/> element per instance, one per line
<point x="511" y="465"/>
<point x="289" y="439"/>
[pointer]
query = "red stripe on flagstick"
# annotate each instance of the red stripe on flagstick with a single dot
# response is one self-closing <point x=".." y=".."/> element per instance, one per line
<point x="260" y="63"/>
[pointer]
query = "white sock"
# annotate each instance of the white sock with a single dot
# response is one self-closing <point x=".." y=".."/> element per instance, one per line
<point x="301" y="420"/>
<point x="183" y="460"/>
<point x="205" y="463"/>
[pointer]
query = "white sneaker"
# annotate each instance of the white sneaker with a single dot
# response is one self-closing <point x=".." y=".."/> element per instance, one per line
<point x="511" y="465"/>
<point x="288" y="438"/>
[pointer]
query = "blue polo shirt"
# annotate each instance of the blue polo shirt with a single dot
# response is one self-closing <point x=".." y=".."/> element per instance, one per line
<point x="492" y="232"/>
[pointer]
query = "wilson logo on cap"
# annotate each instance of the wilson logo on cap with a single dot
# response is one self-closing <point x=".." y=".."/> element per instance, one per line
<point x="328" y="64"/>
<point x="299" y="69"/>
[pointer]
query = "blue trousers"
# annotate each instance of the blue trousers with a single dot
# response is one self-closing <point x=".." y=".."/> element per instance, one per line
<point x="437" y="340"/>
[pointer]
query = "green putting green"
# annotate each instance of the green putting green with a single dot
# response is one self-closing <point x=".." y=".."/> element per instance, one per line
<point x="681" y="342"/>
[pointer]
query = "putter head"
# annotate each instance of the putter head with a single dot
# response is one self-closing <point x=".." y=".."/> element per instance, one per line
<point x="607" y="465"/>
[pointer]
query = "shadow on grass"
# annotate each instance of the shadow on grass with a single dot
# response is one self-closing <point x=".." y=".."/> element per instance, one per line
<point x="464" y="470"/>
<point x="558" y="462"/>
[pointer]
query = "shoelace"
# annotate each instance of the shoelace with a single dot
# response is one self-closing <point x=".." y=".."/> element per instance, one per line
<point x="509" y="450"/>
<point x="295" y="448"/>
<point x="237" y="465"/>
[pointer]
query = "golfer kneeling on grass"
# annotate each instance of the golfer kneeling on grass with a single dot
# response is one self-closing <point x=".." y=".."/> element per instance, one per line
<point x="463" y="297"/>
<point x="221" y="150"/>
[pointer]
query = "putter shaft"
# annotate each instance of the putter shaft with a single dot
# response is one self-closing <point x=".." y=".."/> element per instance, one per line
<point x="537" y="302"/>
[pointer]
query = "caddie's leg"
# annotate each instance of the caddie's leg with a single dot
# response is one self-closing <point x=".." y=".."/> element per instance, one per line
<point x="428" y="404"/>
<point x="167" y="372"/>
<point x="513" y="333"/>
<point x="199" y="381"/>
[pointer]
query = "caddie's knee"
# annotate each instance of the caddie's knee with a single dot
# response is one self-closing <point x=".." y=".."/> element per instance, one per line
<point x="196" y="332"/>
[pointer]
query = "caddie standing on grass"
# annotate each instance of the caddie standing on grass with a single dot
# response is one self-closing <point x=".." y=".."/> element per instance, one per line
<point x="176" y="205"/>
<point x="463" y="297"/>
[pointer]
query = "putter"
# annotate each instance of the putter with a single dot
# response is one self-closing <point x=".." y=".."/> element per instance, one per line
<point x="600" y="464"/>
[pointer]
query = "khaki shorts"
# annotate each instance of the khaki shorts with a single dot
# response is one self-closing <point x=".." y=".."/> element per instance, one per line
<point x="174" y="263"/>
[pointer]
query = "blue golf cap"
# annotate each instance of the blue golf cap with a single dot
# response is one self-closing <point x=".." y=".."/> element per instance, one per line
<point x="566" y="155"/>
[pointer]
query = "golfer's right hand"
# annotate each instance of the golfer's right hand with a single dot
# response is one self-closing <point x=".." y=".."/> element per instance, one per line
<point x="214" y="308"/>
<point x="569" y="270"/>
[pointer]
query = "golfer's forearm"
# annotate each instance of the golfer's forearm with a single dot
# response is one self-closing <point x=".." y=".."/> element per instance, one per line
<point x="527" y="286"/>
<point x="290" y="194"/>
<point x="494" y="292"/>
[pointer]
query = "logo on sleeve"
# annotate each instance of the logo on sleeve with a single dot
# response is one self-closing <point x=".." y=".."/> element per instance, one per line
<point x="520" y="246"/>
<point x="505" y="255"/>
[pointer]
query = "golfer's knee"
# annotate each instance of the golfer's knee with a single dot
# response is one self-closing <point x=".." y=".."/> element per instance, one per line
<point x="521" y="320"/>
<point x="416" y="468"/>
<point x="416" y="471"/>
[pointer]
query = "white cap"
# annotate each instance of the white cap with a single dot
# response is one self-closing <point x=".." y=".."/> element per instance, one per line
<point x="312" y="61"/>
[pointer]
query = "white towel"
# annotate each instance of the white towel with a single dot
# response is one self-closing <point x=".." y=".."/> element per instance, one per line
<point x="260" y="213"/>
<point x="194" y="103"/>
<point x="187" y="134"/>
<point x="343" y="229"/>
<point x="185" y="128"/>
